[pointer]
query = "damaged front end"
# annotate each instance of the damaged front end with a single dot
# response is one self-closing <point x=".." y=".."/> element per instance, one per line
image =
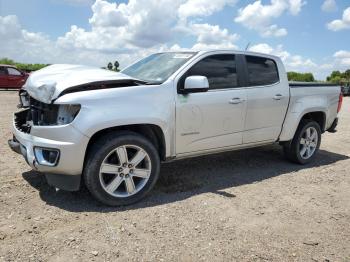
<point x="37" y="113"/>
<point x="44" y="136"/>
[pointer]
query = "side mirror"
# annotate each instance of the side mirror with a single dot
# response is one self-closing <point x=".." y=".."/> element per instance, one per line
<point x="196" y="84"/>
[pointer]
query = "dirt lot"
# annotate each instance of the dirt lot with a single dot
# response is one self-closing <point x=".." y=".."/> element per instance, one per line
<point x="250" y="205"/>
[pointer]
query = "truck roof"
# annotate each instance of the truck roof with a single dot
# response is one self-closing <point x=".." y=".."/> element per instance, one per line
<point x="233" y="51"/>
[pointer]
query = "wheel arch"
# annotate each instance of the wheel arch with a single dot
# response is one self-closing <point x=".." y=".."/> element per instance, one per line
<point x="294" y="120"/>
<point x="152" y="132"/>
<point x="317" y="116"/>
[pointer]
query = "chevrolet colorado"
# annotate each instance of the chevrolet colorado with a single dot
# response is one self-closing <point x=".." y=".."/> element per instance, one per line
<point x="112" y="130"/>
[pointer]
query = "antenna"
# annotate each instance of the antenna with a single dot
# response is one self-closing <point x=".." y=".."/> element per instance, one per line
<point x="247" y="47"/>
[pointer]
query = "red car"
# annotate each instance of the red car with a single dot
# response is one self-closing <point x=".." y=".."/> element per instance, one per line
<point x="11" y="77"/>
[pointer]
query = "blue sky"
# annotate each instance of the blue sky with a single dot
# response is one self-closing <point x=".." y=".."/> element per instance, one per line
<point x="310" y="35"/>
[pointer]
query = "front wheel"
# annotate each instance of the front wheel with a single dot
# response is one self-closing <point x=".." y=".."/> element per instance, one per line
<point x="305" y="144"/>
<point x="121" y="168"/>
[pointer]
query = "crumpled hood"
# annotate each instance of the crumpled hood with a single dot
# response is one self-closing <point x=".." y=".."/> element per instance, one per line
<point x="46" y="84"/>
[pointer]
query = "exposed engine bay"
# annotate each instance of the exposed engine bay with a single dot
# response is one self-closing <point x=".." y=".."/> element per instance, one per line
<point x="37" y="113"/>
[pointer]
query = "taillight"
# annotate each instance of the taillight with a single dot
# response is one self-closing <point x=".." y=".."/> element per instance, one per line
<point x="340" y="102"/>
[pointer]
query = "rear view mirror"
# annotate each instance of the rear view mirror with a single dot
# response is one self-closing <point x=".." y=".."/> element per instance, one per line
<point x="195" y="84"/>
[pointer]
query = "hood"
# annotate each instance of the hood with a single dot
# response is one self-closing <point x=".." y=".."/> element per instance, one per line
<point x="48" y="83"/>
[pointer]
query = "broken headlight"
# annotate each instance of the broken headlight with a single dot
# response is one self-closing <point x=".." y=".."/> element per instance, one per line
<point x="67" y="113"/>
<point x="43" y="114"/>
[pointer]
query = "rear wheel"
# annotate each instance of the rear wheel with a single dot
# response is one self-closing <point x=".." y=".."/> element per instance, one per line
<point x="121" y="168"/>
<point x="305" y="144"/>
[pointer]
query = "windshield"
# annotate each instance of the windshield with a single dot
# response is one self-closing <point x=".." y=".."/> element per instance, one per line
<point x="159" y="67"/>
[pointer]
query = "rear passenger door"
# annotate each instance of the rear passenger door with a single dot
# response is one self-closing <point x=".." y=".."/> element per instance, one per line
<point x="267" y="100"/>
<point x="213" y="119"/>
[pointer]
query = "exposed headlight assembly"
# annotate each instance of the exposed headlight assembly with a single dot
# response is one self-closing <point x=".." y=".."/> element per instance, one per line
<point x="67" y="113"/>
<point x="43" y="114"/>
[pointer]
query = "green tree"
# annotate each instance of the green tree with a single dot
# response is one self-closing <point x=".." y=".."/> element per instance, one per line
<point x="300" y="77"/>
<point x="347" y="74"/>
<point x="116" y="66"/>
<point x="22" y="66"/>
<point x="339" y="78"/>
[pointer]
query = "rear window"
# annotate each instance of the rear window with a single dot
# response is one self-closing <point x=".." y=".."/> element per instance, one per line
<point x="261" y="71"/>
<point x="13" y="72"/>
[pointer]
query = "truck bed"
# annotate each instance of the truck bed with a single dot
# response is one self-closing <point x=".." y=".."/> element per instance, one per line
<point x="294" y="84"/>
<point x="310" y="97"/>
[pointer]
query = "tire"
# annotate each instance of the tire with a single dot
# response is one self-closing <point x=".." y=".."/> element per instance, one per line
<point x="294" y="151"/>
<point x="104" y="165"/>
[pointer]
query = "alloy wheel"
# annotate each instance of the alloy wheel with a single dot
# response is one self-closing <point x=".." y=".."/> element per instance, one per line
<point x="125" y="171"/>
<point x="308" y="143"/>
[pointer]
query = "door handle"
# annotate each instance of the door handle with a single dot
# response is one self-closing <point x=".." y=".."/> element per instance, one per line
<point x="278" y="97"/>
<point x="236" y="100"/>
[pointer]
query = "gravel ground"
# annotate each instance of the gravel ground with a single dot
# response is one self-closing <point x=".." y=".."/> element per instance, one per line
<point x="249" y="205"/>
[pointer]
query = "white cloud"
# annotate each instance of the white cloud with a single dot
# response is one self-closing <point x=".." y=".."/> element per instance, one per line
<point x="125" y="31"/>
<point x="258" y="16"/>
<point x="295" y="6"/>
<point x="195" y="8"/>
<point x="107" y="14"/>
<point x="339" y="61"/>
<point x="274" y="30"/>
<point x="329" y="6"/>
<point x="267" y="49"/>
<point x="291" y="62"/>
<point x="144" y="24"/>
<point x="21" y="43"/>
<point x="343" y="57"/>
<point x="135" y="24"/>
<point x="341" y="24"/>
<point x="211" y="37"/>
<point x="9" y="27"/>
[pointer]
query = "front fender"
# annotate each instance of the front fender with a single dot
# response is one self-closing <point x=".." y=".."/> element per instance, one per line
<point x="103" y="109"/>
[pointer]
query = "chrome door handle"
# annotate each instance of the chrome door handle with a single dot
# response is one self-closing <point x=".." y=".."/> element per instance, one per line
<point x="236" y="100"/>
<point x="278" y="97"/>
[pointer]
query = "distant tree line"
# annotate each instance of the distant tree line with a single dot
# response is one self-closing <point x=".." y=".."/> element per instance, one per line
<point x="34" y="67"/>
<point x="301" y="77"/>
<point x="338" y="77"/>
<point x="22" y="66"/>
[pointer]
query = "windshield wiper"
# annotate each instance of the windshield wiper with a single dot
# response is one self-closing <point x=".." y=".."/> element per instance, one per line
<point x="153" y="82"/>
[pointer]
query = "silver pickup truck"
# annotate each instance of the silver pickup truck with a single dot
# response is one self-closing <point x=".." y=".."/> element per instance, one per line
<point x="112" y="130"/>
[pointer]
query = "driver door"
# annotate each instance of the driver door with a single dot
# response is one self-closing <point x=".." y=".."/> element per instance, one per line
<point x="213" y="119"/>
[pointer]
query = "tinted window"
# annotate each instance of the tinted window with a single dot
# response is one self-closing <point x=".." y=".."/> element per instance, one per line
<point x="13" y="72"/>
<point x="2" y="71"/>
<point x="219" y="69"/>
<point x="261" y="71"/>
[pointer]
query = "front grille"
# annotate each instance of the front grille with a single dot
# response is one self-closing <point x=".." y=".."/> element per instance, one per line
<point x="21" y="119"/>
<point x="36" y="113"/>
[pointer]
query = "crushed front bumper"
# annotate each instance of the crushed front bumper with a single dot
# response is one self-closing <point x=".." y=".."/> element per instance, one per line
<point x="66" y="139"/>
<point x="15" y="145"/>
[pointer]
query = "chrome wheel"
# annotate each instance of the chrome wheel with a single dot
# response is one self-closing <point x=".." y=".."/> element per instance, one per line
<point x="308" y="143"/>
<point x="125" y="171"/>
